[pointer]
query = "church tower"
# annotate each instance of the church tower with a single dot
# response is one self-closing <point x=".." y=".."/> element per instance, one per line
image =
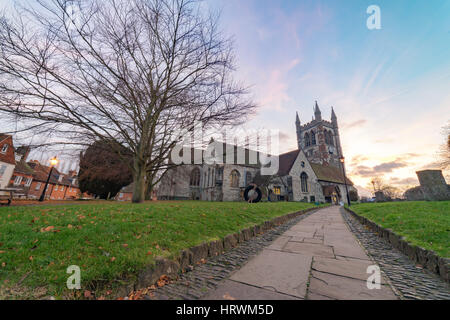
<point x="319" y="139"/>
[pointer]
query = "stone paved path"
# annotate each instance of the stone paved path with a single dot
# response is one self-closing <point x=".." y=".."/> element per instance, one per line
<point x="314" y="256"/>
<point x="318" y="258"/>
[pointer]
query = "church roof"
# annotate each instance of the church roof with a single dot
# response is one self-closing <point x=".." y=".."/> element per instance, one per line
<point x="286" y="161"/>
<point x="329" y="173"/>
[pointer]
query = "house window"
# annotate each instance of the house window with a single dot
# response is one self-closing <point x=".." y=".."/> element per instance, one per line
<point x="56" y="188"/>
<point x="304" y="182"/>
<point x="5" y="148"/>
<point x="195" y="177"/>
<point x="62" y="188"/>
<point x="209" y="176"/>
<point x="234" y="177"/>
<point x="2" y="171"/>
<point x="38" y="186"/>
<point x="313" y="199"/>
<point x="277" y="190"/>
<point x="18" y="180"/>
<point x="28" y="183"/>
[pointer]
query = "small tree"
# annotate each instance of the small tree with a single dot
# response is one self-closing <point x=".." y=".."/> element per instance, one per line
<point x="103" y="172"/>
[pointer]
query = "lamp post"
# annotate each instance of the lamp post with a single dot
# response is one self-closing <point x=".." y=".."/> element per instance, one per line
<point x="53" y="163"/>
<point x="342" y="159"/>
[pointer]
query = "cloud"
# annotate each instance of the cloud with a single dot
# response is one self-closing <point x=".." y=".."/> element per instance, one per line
<point x="389" y="167"/>
<point x="358" y="158"/>
<point x="405" y="181"/>
<point x="355" y="124"/>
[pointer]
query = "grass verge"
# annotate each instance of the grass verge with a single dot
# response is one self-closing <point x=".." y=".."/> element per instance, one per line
<point x="110" y="241"/>
<point x="426" y="224"/>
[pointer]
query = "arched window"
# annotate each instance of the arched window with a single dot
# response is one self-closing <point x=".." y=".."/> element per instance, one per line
<point x="304" y="182"/>
<point x="307" y="141"/>
<point x="209" y="177"/>
<point x="234" y="178"/>
<point x="195" y="177"/>
<point x="248" y="178"/>
<point x="313" y="138"/>
<point x="330" y="137"/>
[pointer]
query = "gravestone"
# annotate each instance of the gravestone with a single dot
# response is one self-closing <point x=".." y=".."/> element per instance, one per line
<point x="433" y="185"/>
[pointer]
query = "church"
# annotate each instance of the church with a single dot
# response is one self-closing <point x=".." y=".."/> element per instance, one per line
<point x="314" y="172"/>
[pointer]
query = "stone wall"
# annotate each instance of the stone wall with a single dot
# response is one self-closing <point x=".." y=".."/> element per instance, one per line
<point x="433" y="185"/>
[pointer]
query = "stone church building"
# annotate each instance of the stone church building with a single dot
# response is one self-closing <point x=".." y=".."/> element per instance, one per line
<point x="312" y="173"/>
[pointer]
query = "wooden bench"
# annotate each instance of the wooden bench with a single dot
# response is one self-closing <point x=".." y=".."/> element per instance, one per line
<point x="7" y="197"/>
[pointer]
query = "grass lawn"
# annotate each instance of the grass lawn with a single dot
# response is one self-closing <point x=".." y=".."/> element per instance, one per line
<point x="426" y="224"/>
<point x="110" y="241"/>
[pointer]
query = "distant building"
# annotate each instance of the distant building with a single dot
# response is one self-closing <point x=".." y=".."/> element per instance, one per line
<point x="312" y="173"/>
<point x="126" y="193"/>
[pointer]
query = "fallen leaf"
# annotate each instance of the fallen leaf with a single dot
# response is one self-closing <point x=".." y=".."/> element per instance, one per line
<point x="125" y="245"/>
<point x="149" y="253"/>
<point x="50" y="228"/>
<point x="226" y="296"/>
<point x="2" y="251"/>
<point x="87" y="294"/>
<point x="31" y="258"/>
<point x="3" y="264"/>
<point x="113" y="259"/>
<point x="70" y="226"/>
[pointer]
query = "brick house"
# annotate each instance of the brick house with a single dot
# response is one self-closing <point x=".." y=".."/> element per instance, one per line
<point x="60" y="187"/>
<point x="22" y="177"/>
<point x="125" y="194"/>
<point x="7" y="160"/>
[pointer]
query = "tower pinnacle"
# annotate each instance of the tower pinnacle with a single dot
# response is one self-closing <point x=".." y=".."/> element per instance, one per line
<point x="317" y="112"/>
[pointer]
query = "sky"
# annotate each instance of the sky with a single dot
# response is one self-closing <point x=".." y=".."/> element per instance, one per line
<point x="389" y="87"/>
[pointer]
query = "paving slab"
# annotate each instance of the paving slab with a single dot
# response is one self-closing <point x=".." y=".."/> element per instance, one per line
<point x="313" y="240"/>
<point x="283" y="272"/>
<point x="232" y="290"/>
<point x="299" y="234"/>
<point x="343" y="288"/>
<point x="279" y="243"/>
<point x="356" y="269"/>
<point x="311" y="249"/>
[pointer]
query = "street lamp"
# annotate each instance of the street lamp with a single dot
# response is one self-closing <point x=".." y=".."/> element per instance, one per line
<point x="53" y="163"/>
<point x="342" y="159"/>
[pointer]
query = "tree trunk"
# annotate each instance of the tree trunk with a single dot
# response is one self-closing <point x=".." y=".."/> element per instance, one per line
<point x="139" y="183"/>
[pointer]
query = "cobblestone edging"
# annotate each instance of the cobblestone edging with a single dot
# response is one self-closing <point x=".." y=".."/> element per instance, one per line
<point x="411" y="280"/>
<point x="204" y="277"/>
<point x="427" y="258"/>
<point x="223" y="253"/>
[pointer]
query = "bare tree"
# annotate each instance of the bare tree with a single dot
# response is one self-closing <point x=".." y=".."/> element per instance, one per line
<point x="444" y="151"/>
<point x="128" y="73"/>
